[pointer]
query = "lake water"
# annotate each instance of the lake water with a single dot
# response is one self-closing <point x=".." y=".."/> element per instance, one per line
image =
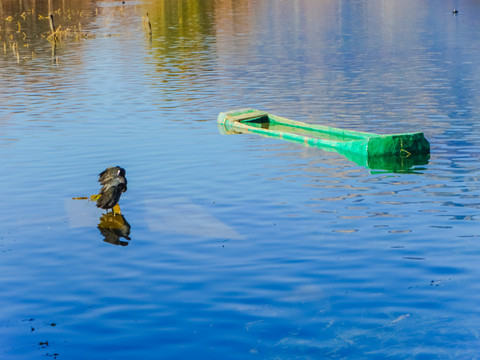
<point x="240" y="246"/>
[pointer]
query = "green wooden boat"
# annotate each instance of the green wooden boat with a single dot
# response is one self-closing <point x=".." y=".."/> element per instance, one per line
<point x="393" y="152"/>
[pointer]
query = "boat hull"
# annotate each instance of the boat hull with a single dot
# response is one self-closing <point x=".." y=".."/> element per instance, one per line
<point x="363" y="148"/>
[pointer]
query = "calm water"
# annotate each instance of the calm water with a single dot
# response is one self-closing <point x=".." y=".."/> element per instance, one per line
<point x="240" y="246"/>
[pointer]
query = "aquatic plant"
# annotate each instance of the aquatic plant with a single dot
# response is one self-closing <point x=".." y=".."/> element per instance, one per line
<point x="23" y="30"/>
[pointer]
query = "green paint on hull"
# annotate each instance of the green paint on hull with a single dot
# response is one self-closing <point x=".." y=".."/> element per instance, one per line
<point x="394" y="152"/>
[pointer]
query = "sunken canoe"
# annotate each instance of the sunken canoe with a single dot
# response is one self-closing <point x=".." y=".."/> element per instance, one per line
<point x="367" y="149"/>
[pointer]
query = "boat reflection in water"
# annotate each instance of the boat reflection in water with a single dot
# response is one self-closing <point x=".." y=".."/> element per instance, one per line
<point x="113" y="227"/>
<point x="408" y="163"/>
<point x="397" y="153"/>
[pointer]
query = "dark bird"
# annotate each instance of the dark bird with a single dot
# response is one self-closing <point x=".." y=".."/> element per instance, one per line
<point x="114" y="183"/>
<point x="455" y="11"/>
<point x="111" y="173"/>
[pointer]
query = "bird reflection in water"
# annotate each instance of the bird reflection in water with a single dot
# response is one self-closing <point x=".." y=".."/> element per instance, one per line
<point x="113" y="228"/>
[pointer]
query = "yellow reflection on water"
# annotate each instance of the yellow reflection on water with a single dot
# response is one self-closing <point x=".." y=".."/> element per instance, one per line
<point x="113" y="228"/>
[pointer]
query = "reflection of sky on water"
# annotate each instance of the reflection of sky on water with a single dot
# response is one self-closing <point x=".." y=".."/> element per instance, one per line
<point x="291" y="251"/>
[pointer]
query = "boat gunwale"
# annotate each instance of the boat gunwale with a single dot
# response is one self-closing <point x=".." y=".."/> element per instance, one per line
<point x="239" y="125"/>
<point x="353" y="134"/>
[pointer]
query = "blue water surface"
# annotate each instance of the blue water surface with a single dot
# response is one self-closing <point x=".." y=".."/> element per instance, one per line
<point x="240" y="246"/>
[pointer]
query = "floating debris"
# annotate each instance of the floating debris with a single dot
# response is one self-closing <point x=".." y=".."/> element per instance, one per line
<point x="400" y="318"/>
